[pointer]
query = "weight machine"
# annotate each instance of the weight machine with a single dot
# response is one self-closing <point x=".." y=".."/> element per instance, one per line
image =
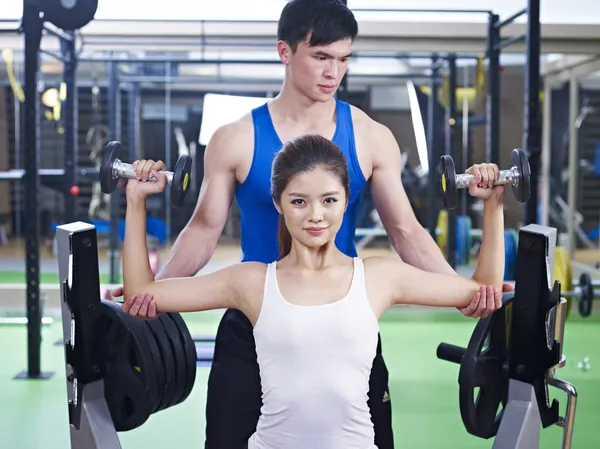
<point x="119" y="370"/>
<point x="513" y="355"/>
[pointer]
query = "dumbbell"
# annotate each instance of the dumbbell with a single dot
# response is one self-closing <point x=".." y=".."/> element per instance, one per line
<point x="517" y="176"/>
<point x="113" y="169"/>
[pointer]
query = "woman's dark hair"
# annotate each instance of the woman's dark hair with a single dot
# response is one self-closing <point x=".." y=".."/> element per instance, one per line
<point x="326" y="21"/>
<point x="300" y="155"/>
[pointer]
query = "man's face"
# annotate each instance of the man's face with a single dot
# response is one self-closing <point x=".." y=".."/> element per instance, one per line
<point x="316" y="71"/>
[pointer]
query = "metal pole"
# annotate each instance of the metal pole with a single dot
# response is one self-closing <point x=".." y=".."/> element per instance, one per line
<point x="451" y="149"/>
<point x="532" y="133"/>
<point x="114" y="120"/>
<point x="134" y="121"/>
<point x="512" y="18"/>
<point x="546" y="153"/>
<point x="493" y="93"/>
<point x="168" y="144"/>
<point x="573" y="163"/>
<point x="443" y="11"/>
<point x="71" y="131"/>
<point x="32" y="31"/>
<point x="18" y="188"/>
<point x="432" y="209"/>
<point x="465" y="137"/>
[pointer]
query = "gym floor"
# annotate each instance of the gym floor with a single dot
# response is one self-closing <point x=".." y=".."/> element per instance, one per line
<point x="424" y="390"/>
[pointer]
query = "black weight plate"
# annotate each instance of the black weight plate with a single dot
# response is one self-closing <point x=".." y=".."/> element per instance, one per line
<point x="483" y="367"/>
<point x="130" y="378"/>
<point x="108" y="184"/>
<point x="190" y="353"/>
<point x="179" y="360"/>
<point x="69" y="16"/>
<point x="159" y="365"/>
<point x="522" y="191"/>
<point x="587" y="294"/>
<point x="159" y="371"/>
<point x="180" y="185"/>
<point x="162" y="340"/>
<point x="447" y="175"/>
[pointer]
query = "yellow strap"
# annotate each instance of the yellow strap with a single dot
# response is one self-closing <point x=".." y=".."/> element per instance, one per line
<point x="7" y="56"/>
<point x="480" y="76"/>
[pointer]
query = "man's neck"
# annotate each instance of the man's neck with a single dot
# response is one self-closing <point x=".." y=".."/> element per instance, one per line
<point x="292" y="105"/>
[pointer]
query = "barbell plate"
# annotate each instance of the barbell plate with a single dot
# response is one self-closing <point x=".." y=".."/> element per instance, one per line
<point x="158" y="365"/>
<point x="447" y="176"/>
<point x="522" y="190"/>
<point x="130" y="379"/>
<point x="181" y="180"/>
<point x="108" y="184"/>
<point x="168" y="358"/>
<point x="179" y="359"/>
<point x="562" y="273"/>
<point x="483" y="368"/>
<point x="189" y="349"/>
<point x="587" y="295"/>
<point x="69" y="16"/>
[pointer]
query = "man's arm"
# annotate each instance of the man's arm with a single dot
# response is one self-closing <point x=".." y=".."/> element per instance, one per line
<point x="410" y="240"/>
<point x="196" y="244"/>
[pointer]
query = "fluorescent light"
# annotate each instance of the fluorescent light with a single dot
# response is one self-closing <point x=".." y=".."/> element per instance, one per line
<point x="219" y="110"/>
<point x="417" y="120"/>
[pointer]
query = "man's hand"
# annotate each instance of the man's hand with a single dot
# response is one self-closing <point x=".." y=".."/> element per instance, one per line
<point x="482" y="306"/>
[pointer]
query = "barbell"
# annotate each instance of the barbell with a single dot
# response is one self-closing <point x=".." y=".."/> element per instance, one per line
<point x="517" y="176"/>
<point x="113" y="169"/>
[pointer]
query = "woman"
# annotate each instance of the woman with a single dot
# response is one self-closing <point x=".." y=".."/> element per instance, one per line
<point x="315" y="311"/>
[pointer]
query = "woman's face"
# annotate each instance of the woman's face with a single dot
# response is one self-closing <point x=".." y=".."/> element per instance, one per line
<point x="313" y="205"/>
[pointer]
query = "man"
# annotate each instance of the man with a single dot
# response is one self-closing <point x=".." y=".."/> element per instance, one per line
<point x="314" y="44"/>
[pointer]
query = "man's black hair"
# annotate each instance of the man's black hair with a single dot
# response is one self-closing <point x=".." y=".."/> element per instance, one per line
<point x="323" y="21"/>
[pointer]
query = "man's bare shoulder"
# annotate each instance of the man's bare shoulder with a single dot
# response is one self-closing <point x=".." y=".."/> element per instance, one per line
<point x="232" y="140"/>
<point x="367" y="127"/>
<point x="240" y="131"/>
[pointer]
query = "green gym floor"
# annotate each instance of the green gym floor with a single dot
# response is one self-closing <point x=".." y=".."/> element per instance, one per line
<point x="424" y="390"/>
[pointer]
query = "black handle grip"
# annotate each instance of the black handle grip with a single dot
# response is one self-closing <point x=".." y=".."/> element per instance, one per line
<point x="450" y="353"/>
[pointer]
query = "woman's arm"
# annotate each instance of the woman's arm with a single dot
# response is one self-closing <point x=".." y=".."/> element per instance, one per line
<point x="213" y="291"/>
<point x="410" y="285"/>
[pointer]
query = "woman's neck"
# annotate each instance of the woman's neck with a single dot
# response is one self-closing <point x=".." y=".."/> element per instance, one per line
<point x="313" y="258"/>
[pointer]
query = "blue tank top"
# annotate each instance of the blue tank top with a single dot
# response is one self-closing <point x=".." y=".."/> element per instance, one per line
<point x="258" y="216"/>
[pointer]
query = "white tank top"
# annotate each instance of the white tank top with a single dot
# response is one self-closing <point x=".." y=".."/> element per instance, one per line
<point x="315" y="363"/>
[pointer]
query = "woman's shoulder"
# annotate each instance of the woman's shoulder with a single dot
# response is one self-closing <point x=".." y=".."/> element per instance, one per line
<point x="251" y="268"/>
<point x="379" y="265"/>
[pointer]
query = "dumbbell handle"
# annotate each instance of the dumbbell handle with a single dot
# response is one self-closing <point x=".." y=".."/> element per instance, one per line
<point x="125" y="170"/>
<point x="510" y="176"/>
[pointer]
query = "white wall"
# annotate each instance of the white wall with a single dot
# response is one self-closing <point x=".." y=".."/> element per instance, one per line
<point x="574" y="11"/>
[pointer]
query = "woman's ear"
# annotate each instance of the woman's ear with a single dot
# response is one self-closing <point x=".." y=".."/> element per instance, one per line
<point x="277" y="207"/>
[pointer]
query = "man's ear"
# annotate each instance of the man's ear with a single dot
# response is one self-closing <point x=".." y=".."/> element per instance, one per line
<point x="284" y="51"/>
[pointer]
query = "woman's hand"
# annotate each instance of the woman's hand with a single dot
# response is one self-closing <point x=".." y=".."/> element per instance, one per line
<point x="140" y="306"/>
<point x="143" y="186"/>
<point x="482" y="186"/>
